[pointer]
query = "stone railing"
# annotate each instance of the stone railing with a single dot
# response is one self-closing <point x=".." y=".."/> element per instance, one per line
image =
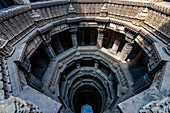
<point x="15" y="24"/>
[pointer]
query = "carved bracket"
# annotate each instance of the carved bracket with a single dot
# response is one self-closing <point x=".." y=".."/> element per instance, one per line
<point x="6" y="49"/>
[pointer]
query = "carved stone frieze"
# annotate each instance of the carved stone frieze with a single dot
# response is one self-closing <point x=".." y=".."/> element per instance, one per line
<point x="167" y="48"/>
<point x="22" y="1"/>
<point x="71" y="11"/>
<point x="104" y="10"/>
<point x="157" y="106"/>
<point x="15" y="104"/>
<point x="37" y="18"/>
<point x="5" y="83"/>
<point x="6" y="49"/>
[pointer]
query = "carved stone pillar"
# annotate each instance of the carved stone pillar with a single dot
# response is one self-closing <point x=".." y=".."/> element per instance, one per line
<point x="6" y="49"/>
<point x="50" y="52"/>
<point x="116" y="45"/>
<point x="130" y="36"/>
<point x="125" y="51"/>
<point x="100" y="37"/>
<point x="73" y="31"/>
<point x="34" y="82"/>
<point x="60" y="48"/>
<point x="96" y="65"/>
<point x="110" y="77"/>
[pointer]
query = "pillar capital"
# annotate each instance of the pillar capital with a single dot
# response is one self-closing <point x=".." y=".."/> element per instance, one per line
<point x="73" y="29"/>
<point x="130" y="35"/>
<point x="46" y="38"/>
<point x="126" y="50"/>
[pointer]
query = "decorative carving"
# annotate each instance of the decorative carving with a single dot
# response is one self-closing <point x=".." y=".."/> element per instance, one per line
<point x="71" y="11"/>
<point x="73" y="30"/>
<point x="159" y="106"/>
<point x="15" y="104"/>
<point x="5" y="85"/>
<point x="167" y="49"/>
<point x="37" y="18"/>
<point x="100" y="37"/>
<point x="143" y="14"/>
<point x="6" y="49"/>
<point x="104" y="10"/>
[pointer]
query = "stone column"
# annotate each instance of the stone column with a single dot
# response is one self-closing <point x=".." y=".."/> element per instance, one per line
<point x="34" y="82"/>
<point x="100" y="37"/>
<point x="116" y="45"/>
<point x="50" y="52"/>
<point x="96" y="65"/>
<point x="110" y="77"/>
<point x="60" y="48"/>
<point x="126" y="50"/>
<point x="73" y="31"/>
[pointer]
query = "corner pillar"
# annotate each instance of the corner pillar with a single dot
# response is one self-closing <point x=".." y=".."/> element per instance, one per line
<point x="73" y="31"/>
<point x="100" y="37"/>
<point x="50" y="52"/>
<point x="96" y="65"/>
<point x="125" y="51"/>
<point x="47" y="46"/>
<point x="116" y="45"/>
<point x="130" y="36"/>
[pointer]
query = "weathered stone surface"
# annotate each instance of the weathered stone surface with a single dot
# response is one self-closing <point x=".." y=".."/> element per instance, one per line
<point x="159" y="106"/>
<point x="136" y="102"/>
<point x="46" y="104"/>
<point x="17" y="105"/>
<point x="165" y="84"/>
